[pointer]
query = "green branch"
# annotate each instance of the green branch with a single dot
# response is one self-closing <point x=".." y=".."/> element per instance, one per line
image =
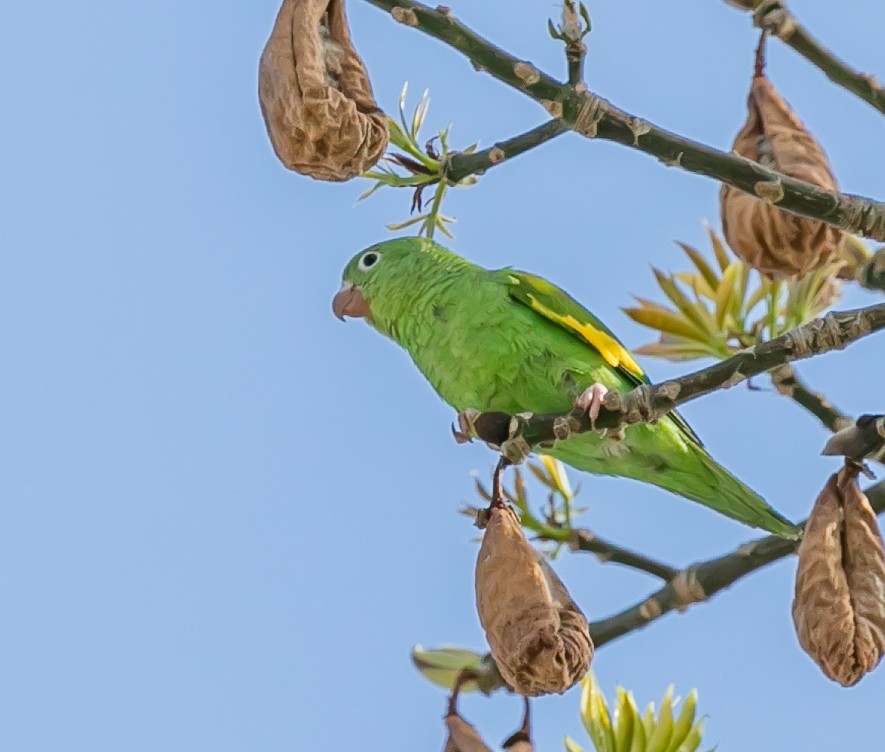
<point x="462" y="165"/>
<point x="790" y="385"/>
<point x="584" y="540"/>
<point x="593" y="117"/>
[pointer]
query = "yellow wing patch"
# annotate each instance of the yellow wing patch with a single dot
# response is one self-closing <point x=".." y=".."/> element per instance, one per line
<point x="614" y="352"/>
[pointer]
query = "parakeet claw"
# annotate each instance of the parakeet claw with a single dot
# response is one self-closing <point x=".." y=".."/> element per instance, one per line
<point x="591" y="400"/>
<point x="466" y="431"/>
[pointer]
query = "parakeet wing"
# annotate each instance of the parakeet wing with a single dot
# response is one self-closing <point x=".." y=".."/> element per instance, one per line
<point x="556" y="305"/>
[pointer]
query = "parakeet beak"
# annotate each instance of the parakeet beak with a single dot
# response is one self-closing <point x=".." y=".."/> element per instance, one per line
<point x="349" y="301"/>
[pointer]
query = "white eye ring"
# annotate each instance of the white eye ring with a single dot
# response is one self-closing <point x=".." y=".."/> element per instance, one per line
<point x="368" y="260"/>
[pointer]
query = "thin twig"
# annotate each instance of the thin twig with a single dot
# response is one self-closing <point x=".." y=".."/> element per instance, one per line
<point x="786" y="382"/>
<point x="461" y="165"/>
<point x="584" y="540"/>
<point x="575" y="49"/>
<point x="777" y="18"/>
<point x="594" y="117"/>
<point x="650" y="402"/>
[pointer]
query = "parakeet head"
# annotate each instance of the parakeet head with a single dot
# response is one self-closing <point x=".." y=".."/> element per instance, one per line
<point x="379" y="281"/>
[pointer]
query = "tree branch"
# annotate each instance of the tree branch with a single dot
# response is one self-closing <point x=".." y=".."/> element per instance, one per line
<point x="700" y="581"/>
<point x="516" y="435"/>
<point x="460" y="165"/>
<point x="777" y="18"/>
<point x="584" y="540"/>
<point x="789" y="384"/>
<point x="594" y="117"/>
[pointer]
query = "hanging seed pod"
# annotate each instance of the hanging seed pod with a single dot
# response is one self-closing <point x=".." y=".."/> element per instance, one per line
<point x="315" y="94"/>
<point x="839" y="604"/>
<point x="538" y="636"/>
<point x="778" y="244"/>
<point x="463" y="737"/>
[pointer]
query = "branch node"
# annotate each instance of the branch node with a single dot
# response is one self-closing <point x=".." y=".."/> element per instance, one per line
<point x="799" y="343"/>
<point x="833" y="332"/>
<point x="497" y="155"/>
<point x="516" y="450"/>
<point x="639" y="128"/>
<point x="527" y="73"/>
<point x="592" y="110"/>
<point x="874" y="83"/>
<point x="553" y="107"/>
<point x="446" y="12"/>
<point x="651" y="609"/>
<point x="405" y="16"/>
<point x="565" y="426"/>
<point x="688" y="588"/>
<point x="670" y="390"/>
<point x="770" y="191"/>
<point x="675" y="162"/>
<point x="774" y="17"/>
<point x="736" y="378"/>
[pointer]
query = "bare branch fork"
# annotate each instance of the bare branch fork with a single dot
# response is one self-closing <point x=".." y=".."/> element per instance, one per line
<point x="516" y="435"/>
<point x="591" y="116"/>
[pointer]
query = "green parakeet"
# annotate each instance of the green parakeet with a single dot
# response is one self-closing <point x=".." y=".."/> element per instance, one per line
<point x="509" y="341"/>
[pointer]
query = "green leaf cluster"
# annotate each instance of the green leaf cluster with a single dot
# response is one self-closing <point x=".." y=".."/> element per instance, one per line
<point x="424" y="167"/>
<point x="718" y="308"/>
<point x="626" y="730"/>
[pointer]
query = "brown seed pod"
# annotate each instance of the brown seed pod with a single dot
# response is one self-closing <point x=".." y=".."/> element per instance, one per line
<point x="315" y="94"/>
<point x="777" y="243"/>
<point x="839" y="604"/>
<point x="463" y="737"/>
<point x="538" y="636"/>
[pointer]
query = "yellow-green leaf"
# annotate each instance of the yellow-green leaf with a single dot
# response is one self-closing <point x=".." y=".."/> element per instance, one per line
<point x="726" y="293"/>
<point x="664" y="320"/>
<point x="701" y="264"/>
<point x="595" y="716"/>
<point x="558" y="475"/>
<point x="698" y="285"/>
<point x="572" y="746"/>
<point x="758" y="295"/>
<point x="697" y="314"/>
<point x="626" y="720"/>
<point x="683" y="724"/>
<point x="718" y="247"/>
<point x="648" y="721"/>
<point x="659" y="739"/>
<point x="677" y="351"/>
<point x="443" y="665"/>
<point x="640" y="741"/>
<point x="693" y="740"/>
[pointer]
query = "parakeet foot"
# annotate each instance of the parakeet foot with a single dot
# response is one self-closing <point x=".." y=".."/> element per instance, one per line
<point x="591" y="400"/>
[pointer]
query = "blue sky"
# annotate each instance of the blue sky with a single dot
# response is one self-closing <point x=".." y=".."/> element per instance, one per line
<point x="226" y="517"/>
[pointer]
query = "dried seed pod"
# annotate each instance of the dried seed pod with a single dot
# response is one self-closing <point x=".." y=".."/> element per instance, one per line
<point x="538" y="636"/>
<point x="315" y="94"/>
<point x="463" y="737"/>
<point x="839" y="604"/>
<point x="777" y="243"/>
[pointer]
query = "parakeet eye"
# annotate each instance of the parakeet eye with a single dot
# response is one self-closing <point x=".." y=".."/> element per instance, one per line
<point x="369" y="260"/>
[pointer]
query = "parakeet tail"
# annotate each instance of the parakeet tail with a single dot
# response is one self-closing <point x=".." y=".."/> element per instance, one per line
<point x="691" y="473"/>
<point x="726" y="494"/>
